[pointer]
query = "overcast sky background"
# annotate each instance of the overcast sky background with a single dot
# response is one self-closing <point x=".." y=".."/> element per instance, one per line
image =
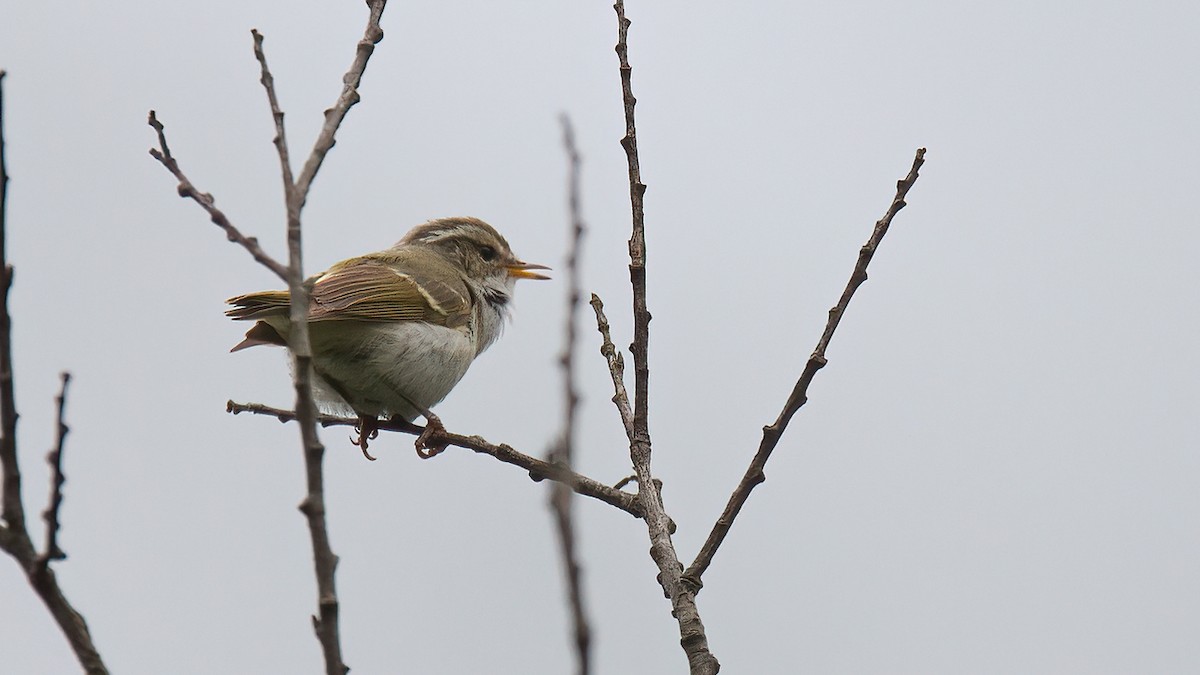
<point x="998" y="472"/>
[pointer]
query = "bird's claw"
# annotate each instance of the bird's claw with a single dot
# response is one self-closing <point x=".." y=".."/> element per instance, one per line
<point x="368" y="429"/>
<point x="433" y="427"/>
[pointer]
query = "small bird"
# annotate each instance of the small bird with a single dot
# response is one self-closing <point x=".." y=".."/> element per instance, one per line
<point x="393" y="331"/>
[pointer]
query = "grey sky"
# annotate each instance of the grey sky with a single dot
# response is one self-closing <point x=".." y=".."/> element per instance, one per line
<point x="998" y="471"/>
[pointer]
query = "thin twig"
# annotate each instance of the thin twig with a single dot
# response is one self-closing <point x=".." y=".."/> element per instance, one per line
<point x="637" y="242"/>
<point x="693" y="639"/>
<point x="325" y="621"/>
<point x="188" y="191"/>
<point x="771" y="434"/>
<point x="14" y="535"/>
<point x="347" y="99"/>
<point x="538" y="470"/>
<point x="296" y="194"/>
<point x="561" y="453"/>
<point x="13" y="509"/>
<point x="616" y="366"/>
<point x="280" y="140"/>
<point x="54" y="459"/>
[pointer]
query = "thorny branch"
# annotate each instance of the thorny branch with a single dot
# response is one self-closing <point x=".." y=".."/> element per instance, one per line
<point x="771" y="434"/>
<point x="561" y="452"/>
<point x="14" y="535"/>
<point x="683" y="599"/>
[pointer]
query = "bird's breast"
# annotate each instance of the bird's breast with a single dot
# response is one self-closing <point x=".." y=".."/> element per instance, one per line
<point x="392" y="368"/>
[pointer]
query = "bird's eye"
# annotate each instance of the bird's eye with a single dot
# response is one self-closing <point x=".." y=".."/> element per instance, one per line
<point x="487" y="253"/>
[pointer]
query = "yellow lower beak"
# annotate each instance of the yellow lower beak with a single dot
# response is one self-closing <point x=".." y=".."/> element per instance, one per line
<point x="524" y="270"/>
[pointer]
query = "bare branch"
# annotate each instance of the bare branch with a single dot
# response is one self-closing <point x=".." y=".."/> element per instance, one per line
<point x="616" y="366"/>
<point x="280" y="140"/>
<point x="188" y="191"/>
<point x="771" y="434"/>
<point x="296" y="194"/>
<point x="54" y="458"/>
<point x="662" y="550"/>
<point x="538" y="469"/>
<point x="349" y="97"/>
<point x="637" y="242"/>
<point x="14" y="535"/>
<point x="325" y="623"/>
<point x="560" y="454"/>
<point x="13" y="508"/>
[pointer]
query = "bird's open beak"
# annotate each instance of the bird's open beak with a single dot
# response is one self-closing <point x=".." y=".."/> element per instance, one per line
<point x="524" y="270"/>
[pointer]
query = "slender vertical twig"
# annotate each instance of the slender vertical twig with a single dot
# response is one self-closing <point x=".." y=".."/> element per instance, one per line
<point x="280" y="140"/>
<point x="325" y="561"/>
<point x="14" y="535"/>
<point x="54" y="458"/>
<point x="637" y="242"/>
<point x="561" y="453"/>
<point x="13" y="509"/>
<point x="683" y="601"/>
<point x="296" y="194"/>
<point x="771" y="434"/>
<point x="325" y="622"/>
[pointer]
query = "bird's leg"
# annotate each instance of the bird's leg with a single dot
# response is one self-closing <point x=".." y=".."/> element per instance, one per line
<point x="404" y="425"/>
<point x="433" y="427"/>
<point x="368" y="429"/>
<point x="368" y="425"/>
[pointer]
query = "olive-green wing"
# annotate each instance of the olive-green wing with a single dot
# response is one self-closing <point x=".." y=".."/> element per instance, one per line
<point x="258" y="305"/>
<point x="362" y="289"/>
<point x="368" y="290"/>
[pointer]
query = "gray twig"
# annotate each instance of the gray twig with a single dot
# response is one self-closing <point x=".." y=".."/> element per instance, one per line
<point x="14" y="535"/>
<point x="693" y="639"/>
<point x="561" y="452"/>
<point x="54" y="459"/>
<point x="771" y="434"/>
<point x="325" y="622"/>
<point x="206" y="201"/>
<point x="13" y="508"/>
<point x="280" y="140"/>
<point x="616" y="366"/>
<point x="538" y="470"/>
<point x="347" y="99"/>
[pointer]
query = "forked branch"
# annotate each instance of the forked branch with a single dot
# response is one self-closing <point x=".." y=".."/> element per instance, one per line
<point x="662" y="550"/>
<point x="14" y="535"/>
<point x="325" y="623"/>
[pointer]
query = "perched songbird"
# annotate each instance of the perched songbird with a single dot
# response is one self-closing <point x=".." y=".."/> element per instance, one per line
<point x="392" y="332"/>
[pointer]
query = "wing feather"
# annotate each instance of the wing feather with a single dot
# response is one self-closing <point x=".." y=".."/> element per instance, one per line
<point x="366" y="289"/>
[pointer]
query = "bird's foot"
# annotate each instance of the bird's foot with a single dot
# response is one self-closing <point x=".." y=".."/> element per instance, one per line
<point x="433" y="427"/>
<point x="368" y="429"/>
